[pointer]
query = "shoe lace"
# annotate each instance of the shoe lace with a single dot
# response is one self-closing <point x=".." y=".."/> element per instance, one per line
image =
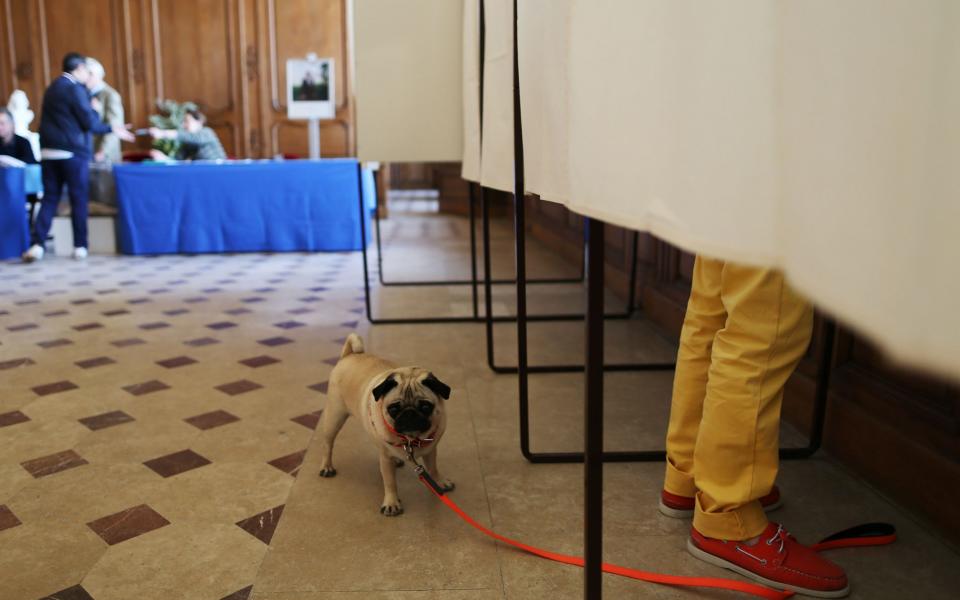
<point x="779" y="535"/>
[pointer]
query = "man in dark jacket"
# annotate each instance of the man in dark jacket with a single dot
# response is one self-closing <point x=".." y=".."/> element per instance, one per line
<point x="67" y="125"/>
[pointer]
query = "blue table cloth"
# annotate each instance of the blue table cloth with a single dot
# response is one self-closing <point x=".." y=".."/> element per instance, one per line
<point x="244" y="206"/>
<point x="14" y="229"/>
<point x="32" y="179"/>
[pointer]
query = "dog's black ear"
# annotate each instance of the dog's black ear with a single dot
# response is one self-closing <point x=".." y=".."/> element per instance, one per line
<point x="436" y="386"/>
<point x="384" y="388"/>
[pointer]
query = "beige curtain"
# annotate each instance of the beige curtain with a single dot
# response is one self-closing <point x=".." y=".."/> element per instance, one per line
<point x="409" y="79"/>
<point x="821" y="137"/>
<point x="672" y="121"/>
<point x="496" y="165"/>
<point x="471" y="90"/>
<point x="870" y="178"/>
<point x="542" y="50"/>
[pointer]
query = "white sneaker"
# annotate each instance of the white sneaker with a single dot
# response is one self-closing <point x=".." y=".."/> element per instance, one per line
<point x="79" y="253"/>
<point x="34" y="253"/>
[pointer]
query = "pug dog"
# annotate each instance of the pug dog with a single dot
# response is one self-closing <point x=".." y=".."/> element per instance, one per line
<point x="397" y="406"/>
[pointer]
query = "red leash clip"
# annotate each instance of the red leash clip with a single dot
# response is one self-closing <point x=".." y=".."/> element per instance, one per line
<point x="421" y="471"/>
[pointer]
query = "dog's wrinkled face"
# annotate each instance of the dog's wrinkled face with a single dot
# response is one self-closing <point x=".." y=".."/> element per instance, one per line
<point x="412" y="398"/>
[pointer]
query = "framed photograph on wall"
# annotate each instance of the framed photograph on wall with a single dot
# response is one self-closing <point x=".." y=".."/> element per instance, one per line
<point x="310" y="88"/>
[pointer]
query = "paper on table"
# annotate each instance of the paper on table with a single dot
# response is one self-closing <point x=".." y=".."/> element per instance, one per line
<point x="10" y="161"/>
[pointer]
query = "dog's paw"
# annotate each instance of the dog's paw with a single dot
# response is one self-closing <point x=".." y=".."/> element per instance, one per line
<point x="391" y="509"/>
<point x="328" y="472"/>
<point x="445" y="484"/>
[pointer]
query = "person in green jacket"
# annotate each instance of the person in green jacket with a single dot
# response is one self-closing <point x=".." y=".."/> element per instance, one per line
<point x="197" y="141"/>
<point x="108" y="104"/>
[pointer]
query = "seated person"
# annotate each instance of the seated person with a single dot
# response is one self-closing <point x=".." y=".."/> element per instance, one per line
<point x="11" y="144"/>
<point x="197" y="141"/>
<point x="19" y="106"/>
<point x="18" y="147"/>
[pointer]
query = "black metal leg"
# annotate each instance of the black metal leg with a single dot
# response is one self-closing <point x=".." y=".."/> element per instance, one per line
<point x="473" y="261"/>
<point x="474" y="282"/>
<point x="822" y="392"/>
<point x="520" y="243"/>
<point x="816" y="429"/>
<point x="366" y="273"/>
<point x="363" y="240"/>
<point x="487" y="282"/>
<point x="376" y="220"/>
<point x="523" y="372"/>
<point x="594" y="367"/>
<point x="593" y="411"/>
<point x="453" y="319"/>
<point x="473" y="251"/>
<point x="519" y="223"/>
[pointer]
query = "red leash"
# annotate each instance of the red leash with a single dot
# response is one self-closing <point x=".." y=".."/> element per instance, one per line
<point x="871" y="534"/>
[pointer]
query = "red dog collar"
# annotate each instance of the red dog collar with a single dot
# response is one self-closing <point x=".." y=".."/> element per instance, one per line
<point x="406" y="441"/>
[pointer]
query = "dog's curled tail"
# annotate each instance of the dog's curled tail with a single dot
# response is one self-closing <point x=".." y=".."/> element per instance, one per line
<point x="353" y="345"/>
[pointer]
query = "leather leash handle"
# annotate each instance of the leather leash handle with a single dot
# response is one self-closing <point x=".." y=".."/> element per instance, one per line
<point x="429" y="481"/>
<point x="867" y="534"/>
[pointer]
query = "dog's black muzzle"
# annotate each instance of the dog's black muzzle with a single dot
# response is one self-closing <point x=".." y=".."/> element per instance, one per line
<point x="411" y="421"/>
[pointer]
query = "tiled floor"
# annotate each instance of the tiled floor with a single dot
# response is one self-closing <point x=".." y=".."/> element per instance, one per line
<point x="156" y="440"/>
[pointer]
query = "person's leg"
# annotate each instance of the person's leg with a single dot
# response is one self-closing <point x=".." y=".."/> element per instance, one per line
<point x="735" y="462"/>
<point x="767" y="331"/>
<point x="704" y="317"/>
<point x="78" y="182"/>
<point x="52" y="186"/>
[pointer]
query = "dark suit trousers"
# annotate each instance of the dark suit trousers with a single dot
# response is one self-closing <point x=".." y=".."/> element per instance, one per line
<point x="75" y="172"/>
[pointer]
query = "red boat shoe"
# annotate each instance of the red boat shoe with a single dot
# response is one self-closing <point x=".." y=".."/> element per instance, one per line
<point x="681" y="507"/>
<point x="777" y="560"/>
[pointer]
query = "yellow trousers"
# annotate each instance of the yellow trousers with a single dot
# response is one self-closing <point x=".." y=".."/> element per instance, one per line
<point x="744" y="332"/>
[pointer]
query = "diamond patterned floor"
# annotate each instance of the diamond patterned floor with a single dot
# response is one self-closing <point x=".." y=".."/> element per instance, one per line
<point x="139" y="371"/>
<point x="157" y="423"/>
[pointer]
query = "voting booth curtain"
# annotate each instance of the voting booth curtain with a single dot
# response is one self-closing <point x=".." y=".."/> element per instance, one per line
<point x="819" y="137"/>
<point x="409" y="80"/>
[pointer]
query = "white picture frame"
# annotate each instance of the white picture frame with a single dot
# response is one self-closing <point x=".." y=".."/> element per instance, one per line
<point x="311" y="88"/>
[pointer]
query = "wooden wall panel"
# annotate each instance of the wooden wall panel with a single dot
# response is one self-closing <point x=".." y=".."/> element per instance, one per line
<point x="7" y="64"/>
<point x="302" y="25"/>
<point x="293" y="29"/>
<point x="226" y="55"/>
<point x="194" y="58"/>
<point x="99" y="36"/>
<point x="23" y="51"/>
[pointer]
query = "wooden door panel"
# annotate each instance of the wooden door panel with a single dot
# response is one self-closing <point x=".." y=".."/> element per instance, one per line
<point x="193" y="52"/>
<point x="290" y="138"/>
<point x="303" y="26"/>
<point x="97" y="37"/>
<point x="295" y="28"/>
<point x="23" y="64"/>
